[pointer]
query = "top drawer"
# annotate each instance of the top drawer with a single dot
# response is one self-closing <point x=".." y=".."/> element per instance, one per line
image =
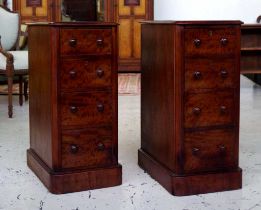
<point x="85" y="41"/>
<point x="207" y="41"/>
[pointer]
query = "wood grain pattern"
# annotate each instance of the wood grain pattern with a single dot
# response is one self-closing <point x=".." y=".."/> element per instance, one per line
<point x="190" y="105"/>
<point x="75" y="140"/>
<point x="210" y="39"/>
<point x="82" y="109"/>
<point x="211" y="150"/>
<point x="214" y="109"/>
<point x="91" y="72"/>
<point x="209" y="73"/>
<point x="85" y="41"/>
<point x="89" y="147"/>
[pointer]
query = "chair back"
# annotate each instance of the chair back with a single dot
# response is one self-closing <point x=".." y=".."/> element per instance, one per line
<point x="9" y="28"/>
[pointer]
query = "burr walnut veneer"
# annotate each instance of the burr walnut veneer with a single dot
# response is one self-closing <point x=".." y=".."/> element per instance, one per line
<point x="73" y="105"/>
<point x="190" y="105"/>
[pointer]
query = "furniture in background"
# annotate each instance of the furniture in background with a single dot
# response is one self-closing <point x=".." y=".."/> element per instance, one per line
<point x="251" y="51"/>
<point x="128" y="13"/>
<point x="190" y="105"/>
<point x="13" y="62"/>
<point x="73" y="105"/>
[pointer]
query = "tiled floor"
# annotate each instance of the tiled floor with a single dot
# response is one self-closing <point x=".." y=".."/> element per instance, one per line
<point x="21" y="190"/>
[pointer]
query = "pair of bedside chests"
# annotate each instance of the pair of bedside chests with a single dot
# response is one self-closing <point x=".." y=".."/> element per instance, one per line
<point x="189" y="105"/>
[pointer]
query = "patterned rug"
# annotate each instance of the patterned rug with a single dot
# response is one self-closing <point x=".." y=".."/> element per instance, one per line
<point x="128" y="84"/>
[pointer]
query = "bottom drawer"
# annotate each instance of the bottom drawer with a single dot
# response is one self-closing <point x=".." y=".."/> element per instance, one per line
<point x="91" y="147"/>
<point x="210" y="150"/>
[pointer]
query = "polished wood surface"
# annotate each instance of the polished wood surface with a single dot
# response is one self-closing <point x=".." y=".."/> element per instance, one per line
<point x="73" y="122"/>
<point x="190" y="105"/>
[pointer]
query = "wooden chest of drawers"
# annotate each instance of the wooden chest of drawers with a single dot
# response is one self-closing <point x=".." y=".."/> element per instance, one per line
<point x="190" y="105"/>
<point x="73" y="105"/>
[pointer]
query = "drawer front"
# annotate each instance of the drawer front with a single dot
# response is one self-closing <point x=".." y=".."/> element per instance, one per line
<point x="85" y="73"/>
<point x="87" y="148"/>
<point x="85" y="41"/>
<point x="86" y="109"/>
<point x="208" y="74"/>
<point x="206" y="41"/>
<point x="210" y="150"/>
<point x="209" y="109"/>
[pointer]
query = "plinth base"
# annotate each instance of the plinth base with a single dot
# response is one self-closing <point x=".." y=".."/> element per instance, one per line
<point x="73" y="181"/>
<point x="190" y="184"/>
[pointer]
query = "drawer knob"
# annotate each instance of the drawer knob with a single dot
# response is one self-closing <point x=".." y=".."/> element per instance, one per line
<point x="99" y="72"/>
<point x="101" y="146"/>
<point x="222" y="149"/>
<point x="100" y="107"/>
<point x="195" y="151"/>
<point x="72" y="74"/>
<point x="197" y="42"/>
<point x="73" y="42"/>
<point x="197" y="75"/>
<point x="223" y="74"/>
<point x="73" y="109"/>
<point x="74" y="148"/>
<point x="196" y="111"/>
<point x="99" y="42"/>
<point x="224" y="41"/>
<point x="223" y="109"/>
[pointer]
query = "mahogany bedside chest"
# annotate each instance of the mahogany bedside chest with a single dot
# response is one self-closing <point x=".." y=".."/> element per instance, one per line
<point x="73" y="105"/>
<point x="190" y="105"/>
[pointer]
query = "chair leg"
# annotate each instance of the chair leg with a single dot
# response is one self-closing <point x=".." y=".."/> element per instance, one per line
<point x="20" y="90"/>
<point x="10" y="95"/>
<point x="26" y="90"/>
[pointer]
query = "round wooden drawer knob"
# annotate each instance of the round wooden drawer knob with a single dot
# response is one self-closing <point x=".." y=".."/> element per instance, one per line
<point x="196" y="111"/>
<point x="99" y="42"/>
<point x="223" y="41"/>
<point x="99" y="72"/>
<point x="197" y="42"/>
<point x="73" y="42"/>
<point x="197" y="75"/>
<point x="101" y="146"/>
<point x="222" y="149"/>
<point x="72" y="74"/>
<point x="223" y="109"/>
<point x="223" y="74"/>
<point x="73" y="109"/>
<point x="195" y="151"/>
<point x="74" y="148"/>
<point x="100" y="107"/>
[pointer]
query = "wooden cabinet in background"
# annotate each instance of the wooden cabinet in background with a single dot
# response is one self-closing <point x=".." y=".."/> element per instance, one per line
<point x="128" y="13"/>
<point x="74" y="105"/>
<point x="35" y="10"/>
<point x="251" y="49"/>
<point x="190" y="105"/>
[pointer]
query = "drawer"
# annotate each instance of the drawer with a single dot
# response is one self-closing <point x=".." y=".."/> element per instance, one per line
<point x="209" y="73"/>
<point x="207" y="41"/>
<point x="86" y="109"/>
<point x="85" y="41"/>
<point x="87" y="148"/>
<point x="210" y="150"/>
<point x="209" y="109"/>
<point x="85" y="73"/>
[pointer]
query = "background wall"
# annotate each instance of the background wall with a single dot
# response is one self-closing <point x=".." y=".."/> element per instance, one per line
<point x="244" y="10"/>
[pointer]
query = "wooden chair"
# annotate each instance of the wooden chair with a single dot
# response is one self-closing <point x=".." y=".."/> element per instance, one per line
<point x="13" y="62"/>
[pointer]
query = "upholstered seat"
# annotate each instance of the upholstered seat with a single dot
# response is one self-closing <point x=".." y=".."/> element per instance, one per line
<point x="12" y="61"/>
